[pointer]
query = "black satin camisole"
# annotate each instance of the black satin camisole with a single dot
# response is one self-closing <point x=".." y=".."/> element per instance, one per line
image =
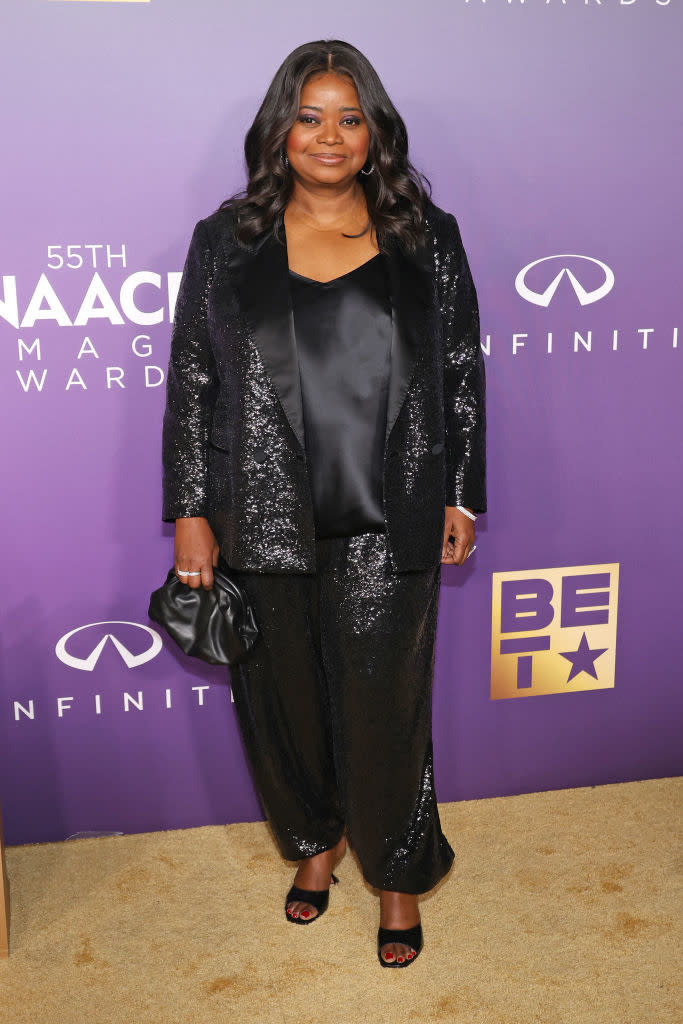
<point x="343" y="338"/>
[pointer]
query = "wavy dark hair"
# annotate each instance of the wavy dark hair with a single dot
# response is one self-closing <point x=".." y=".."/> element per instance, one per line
<point x="394" y="191"/>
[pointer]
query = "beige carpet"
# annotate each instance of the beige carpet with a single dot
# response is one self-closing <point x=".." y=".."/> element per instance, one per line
<point x="561" y="907"/>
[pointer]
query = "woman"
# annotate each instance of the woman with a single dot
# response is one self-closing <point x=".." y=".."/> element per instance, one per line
<point x="324" y="436"/>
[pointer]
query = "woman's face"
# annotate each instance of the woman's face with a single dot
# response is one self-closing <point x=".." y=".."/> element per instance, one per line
<point x="328" y="142"/>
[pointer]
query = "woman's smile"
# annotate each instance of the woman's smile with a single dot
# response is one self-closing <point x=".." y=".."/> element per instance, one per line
<point x="328" y="158"/>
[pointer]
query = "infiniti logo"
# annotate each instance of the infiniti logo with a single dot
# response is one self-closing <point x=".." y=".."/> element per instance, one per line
<point x="585" y="297"/>
<point x="88" y="664"/>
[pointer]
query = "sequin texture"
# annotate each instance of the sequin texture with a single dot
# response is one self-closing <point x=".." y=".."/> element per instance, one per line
<point x="464" y="384"/>
<point x="335" y="703"/>
<point x="335" y="711"/>
<point x="230" y="448"/>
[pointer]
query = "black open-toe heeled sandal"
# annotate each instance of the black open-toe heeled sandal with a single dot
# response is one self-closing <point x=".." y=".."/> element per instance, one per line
<point x="406" y="936"/>
<point x="318" y="898"/>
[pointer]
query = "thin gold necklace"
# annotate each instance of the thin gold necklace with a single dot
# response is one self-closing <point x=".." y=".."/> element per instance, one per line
<point x="316" y="227"/>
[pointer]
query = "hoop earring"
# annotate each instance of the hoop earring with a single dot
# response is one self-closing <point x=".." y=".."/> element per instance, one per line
<point x="367" y="172"/>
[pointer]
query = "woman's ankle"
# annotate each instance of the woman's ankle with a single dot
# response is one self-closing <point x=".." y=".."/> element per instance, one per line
<point x="398" y="909"/>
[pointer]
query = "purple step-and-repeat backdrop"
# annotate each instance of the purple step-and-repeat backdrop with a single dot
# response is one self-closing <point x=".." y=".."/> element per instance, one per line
<point x="552" y="130"/>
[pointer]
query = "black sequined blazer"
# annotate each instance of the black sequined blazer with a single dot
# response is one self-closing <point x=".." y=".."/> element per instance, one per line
<point x="233" y="440"/>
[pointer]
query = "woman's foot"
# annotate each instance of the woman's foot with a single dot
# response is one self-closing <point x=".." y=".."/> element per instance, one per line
<point x="397" y="910"/>
<point x="315" y="873"/>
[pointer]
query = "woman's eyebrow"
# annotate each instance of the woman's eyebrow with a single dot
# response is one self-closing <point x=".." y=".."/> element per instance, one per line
<point x="309" y="106"/>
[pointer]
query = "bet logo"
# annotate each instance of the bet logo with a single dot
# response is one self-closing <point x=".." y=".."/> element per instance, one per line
<point x="553" y="630"/>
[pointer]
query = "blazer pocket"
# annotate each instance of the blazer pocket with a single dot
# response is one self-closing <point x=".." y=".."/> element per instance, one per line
<point x="217" y="441"/>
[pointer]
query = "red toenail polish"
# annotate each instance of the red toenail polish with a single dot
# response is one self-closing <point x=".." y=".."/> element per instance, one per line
<point x="389" y="956"/>
<point x="400" y="959"/>
<point x="410" y="956"/>
<point x="305" y="913"/>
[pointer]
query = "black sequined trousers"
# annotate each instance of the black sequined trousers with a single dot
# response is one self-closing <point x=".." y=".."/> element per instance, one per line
<point x="335" y="710"/>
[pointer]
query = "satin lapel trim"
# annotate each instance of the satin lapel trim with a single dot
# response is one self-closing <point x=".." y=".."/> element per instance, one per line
<point x="262" y="282"/>
<point x="261" y="277"/>
<point x="410" y="278"/>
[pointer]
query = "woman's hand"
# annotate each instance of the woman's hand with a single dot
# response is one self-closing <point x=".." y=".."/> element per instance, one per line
<point x="457" y="524"/>
<point x="195" y="550"/>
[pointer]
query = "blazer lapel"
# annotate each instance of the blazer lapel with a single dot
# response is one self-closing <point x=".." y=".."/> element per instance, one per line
<point x="261" y="280"/>
<point x="262" y="283"/>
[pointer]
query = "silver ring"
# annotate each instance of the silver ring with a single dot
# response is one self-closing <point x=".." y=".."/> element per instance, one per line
<point x="180" y="572"/>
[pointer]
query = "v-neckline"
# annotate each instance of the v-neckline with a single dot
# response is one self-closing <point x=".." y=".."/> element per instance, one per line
<point x="334" y="280"/>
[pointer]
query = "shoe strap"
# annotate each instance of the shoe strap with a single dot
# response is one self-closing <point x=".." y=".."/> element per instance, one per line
<point x="318" y="898"/>
<point x="406" y="936"/>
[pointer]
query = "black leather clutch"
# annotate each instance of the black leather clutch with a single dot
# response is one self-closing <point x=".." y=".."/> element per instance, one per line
<point x="216" y="625"/>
